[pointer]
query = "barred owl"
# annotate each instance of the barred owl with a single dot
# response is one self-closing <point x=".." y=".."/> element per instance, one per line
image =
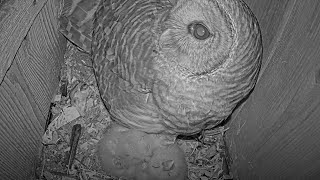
<point x="172" y="67"/>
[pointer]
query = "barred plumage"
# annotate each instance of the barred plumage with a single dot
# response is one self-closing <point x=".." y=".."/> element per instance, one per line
<point x="174" y="67"/>
<point x="76" y="21"/>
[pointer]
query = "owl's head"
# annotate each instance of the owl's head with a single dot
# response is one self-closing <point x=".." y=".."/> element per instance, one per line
<point x="199" y="35"/>
<point x="210" y="59"/>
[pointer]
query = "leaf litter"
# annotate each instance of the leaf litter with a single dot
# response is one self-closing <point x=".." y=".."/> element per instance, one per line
<point x="78" y="120"/>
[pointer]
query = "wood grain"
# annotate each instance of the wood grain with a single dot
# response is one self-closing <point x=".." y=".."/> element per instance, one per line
<point x="276" y="134"/>
<point x="272" y="17"/>
<point x="40" y="57"/>
<point x="16" y="18"/>
<point x="26" y="93"/>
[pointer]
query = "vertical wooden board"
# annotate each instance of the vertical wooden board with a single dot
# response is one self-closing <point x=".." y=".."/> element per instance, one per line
<point x="26" y="93"/>
<point x="40" y="56"/>
<point x="276" y="134"/>
<point x="272" y="16"/>
<point x="16" y="17"/>
<point x="20" y="130"/>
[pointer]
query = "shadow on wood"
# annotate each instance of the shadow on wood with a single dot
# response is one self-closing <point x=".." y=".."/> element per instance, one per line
<point x="275" y="133"/>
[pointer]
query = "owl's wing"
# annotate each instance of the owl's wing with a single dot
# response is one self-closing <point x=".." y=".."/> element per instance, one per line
<point x="76" y="21"/>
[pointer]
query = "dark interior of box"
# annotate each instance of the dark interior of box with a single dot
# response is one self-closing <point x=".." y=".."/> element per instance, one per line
<point x="273" y="134"/>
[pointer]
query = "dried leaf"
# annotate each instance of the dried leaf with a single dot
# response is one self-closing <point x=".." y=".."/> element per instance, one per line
<point x="67" y="115"/>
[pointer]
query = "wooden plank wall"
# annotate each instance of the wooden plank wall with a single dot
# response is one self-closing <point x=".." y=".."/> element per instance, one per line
<point x="27" y="89"/>
<point x="16" y="18"/>
<point x="275" y="134"/>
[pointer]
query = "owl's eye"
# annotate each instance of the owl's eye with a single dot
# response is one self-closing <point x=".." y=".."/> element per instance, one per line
<point x="199" y="31"/>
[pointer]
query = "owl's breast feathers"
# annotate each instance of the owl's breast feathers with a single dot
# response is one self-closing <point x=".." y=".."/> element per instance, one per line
<point x="174" y="68"/>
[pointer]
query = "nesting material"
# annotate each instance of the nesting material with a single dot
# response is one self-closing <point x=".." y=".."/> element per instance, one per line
<point x="204" y="159"/>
